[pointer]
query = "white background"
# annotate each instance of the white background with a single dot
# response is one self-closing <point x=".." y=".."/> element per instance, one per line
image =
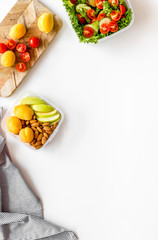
<point x="99" y="176"/>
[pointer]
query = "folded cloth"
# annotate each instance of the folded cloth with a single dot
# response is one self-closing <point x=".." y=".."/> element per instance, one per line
<point x="20" y="208"/>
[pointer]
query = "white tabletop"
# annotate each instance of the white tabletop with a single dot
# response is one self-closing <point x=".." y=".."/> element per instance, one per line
<point x="99" y="176"/>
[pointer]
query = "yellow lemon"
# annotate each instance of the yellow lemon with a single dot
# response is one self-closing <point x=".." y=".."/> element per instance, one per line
<point x="14" y="124"/>
<point x="8" y="59"/>
<point x="26" y="135"/>
<point x="23" y="112"/>
<point x="17" y="31"/>
<point x="46" y="22"/>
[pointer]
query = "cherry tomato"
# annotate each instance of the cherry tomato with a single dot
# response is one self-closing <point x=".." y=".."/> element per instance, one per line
<point x="114" y="2"/>
<point x="74" y="2"/>
<point x="113" y="26"/>
<point x="101" y="16"/>
<point x="3" y="48"/>
<point x="91" y="13"/>
<point x="104" y="28"/>
<point x="88" y="32"/>
<point x="81" y="19"/>
<point x="21" y="48"/>
<point x="11" y="44"/>
<point x="21" y="67"/>
<point x="115" y="16"/>
<point x="122" y="9"/>
<point x="34" y="42"/>
<point x="25" y="57"/>
<point x="99" y="3"/>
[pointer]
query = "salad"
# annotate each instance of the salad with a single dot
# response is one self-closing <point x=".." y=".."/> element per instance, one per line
<point x="96" y="19"/>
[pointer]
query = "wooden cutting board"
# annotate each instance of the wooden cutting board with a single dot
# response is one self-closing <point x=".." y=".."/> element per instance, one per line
<point x="27" y="12"/>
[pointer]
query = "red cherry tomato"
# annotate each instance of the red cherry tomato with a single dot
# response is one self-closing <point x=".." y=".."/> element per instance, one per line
<point x="11" y="44"/>
<point x="21" y="67"/>
<point x="91" y="13"/>
<point x="88" y="32"/>
<point x="34" y="42"/>
<point x="113" y="26"/>
<point x="21" y="48"/>
<point x="99" y="3"/>
<point x="101" y="16"/>
<point x="81" y="19"/>
<point x="3" y="48"/>
<point x="74" y="2"/>
<point x="104" y="28"/>
<point x="115" y="16"/>
<point x="122" y="9"/>
<point x="114" y="2"/>
<point x="25" y="57"/>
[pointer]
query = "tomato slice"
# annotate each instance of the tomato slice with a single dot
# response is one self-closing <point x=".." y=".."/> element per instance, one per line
<point x="99" y="3"/>
<point x="21" y="67"/>
<point x="115" y="15"/>
<point x="113" y="26"/>
<point x="21" y="48"/>
<point x="94" y="20"/>
<point x="34" y="42"/>
<point x="11" y="44"/>
<point x="122" y="9"/>
<point x="114" y="2"/>
<point x="81" y="19"/>
<point x="101" y="16"/>
<point x="74" y="2"/>
<point x="3" y="48"/>
<point x="104" y="28"/>
<point x="91" y="13"/>
<point x="25" y="57"/>
<point x="88" y="32"/>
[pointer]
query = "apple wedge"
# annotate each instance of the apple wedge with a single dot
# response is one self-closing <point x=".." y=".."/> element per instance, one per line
<point x="43" y="108"/>
<point x="32" y="100"/>
<point x="52" y="119"/>
<point x="45" y="115"/>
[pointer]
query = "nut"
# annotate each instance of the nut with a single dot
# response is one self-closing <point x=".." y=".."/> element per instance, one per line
<point x="34" y="117"/>
<point x="33" y="142"/>
<point x="49" y="132"/>
<point x="46" y="128"/>
<point x="33" y="121"/>
<point x="35" y="124"/>
<point x="46" y="124"/>
<point x="27" y="122"/>
<point x="46" y="135"/>
<point x="38" y="143"/>
<point x="39" y="129"/>
<point x="34" y="129"/>
<point x="36" y="134"/>
<point x="44" y="140"/>
<point x="40" y="137"/>
<point x="39" y="146"/>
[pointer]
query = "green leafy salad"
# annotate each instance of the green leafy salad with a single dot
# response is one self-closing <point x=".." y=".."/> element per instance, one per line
<point x="96" y="19"/>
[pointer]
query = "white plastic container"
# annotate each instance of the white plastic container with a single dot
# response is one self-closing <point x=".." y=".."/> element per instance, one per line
<point x="129" y="5"/>
<point x="10" y="113"/>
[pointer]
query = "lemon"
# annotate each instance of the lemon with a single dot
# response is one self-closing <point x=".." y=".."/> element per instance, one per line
<point x="8" y="59"/>
<point x="46" y="22"/>
<point x="17" y="31"/>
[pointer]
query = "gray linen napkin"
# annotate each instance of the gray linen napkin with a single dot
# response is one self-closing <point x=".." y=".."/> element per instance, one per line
<point x="20" y="208"/>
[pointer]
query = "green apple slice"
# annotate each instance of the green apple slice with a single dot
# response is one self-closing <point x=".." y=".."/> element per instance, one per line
<point x="45" y="115"/>
<point x="32" y="100"/>
<point x="43" y="108"/>
<point x="52" y="119"/>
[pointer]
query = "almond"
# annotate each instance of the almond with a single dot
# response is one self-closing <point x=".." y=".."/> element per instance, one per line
<point x="36" y="134"/>
<point x="34" y="129"/>
<point x="49" y="132"/>
<point x="40" y="137"/>
<point x="44" y="140"/>
<point x="34" y="117"/>
<point x="36" y="124"/>
<point x="39" y="129"/>
<point x="33" y="142"/>
<point x="39" y="146"/>
<point x="46" y="124"/>
<point x="27" y="122"/>
<point x="46" y="128"/>
<point x="46" y="135"/>
<point x="38" y="143"/>
<point x="33" y="121"/>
